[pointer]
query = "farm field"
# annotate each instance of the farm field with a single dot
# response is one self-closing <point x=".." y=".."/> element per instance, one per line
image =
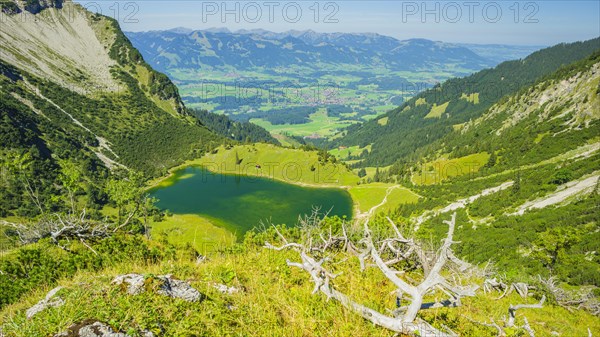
<point x="242" y="94"/>
<point x="320" y="125"/>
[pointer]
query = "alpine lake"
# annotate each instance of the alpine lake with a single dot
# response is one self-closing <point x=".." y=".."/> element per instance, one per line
<point x="240" y="203"/>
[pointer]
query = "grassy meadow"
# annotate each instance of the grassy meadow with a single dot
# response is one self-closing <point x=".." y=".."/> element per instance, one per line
<point x="287" y="308"/>
<point x="202" y="234"/>
<point x="443" y="168"/>
<point x="283" y="164"/>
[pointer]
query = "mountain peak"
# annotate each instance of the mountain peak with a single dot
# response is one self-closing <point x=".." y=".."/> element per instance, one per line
<point x="32" y="6"/>
<point x="217" y="30"/>
<point x="420" y="41"/>
<point x="181" y="30"/>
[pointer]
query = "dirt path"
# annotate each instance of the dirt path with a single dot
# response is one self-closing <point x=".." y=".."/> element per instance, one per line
<point x="371" y="211"/>
<point x="562" y="193"/>
<point x="461" y="203"/>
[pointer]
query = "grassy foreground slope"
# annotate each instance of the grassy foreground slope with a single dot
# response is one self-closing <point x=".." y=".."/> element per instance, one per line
<point x="273" y="299"/>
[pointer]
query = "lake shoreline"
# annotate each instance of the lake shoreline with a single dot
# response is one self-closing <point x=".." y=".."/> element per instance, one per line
<point x="267" y="153"/>
<point x="197" y="190"/>
<point x="154" y="183"/>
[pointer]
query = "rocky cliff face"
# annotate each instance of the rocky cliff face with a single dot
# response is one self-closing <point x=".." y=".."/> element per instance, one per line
<point x="75" y="71"/>
<point x="63" y="45"/>
<point x="31" y="6"/>
<point x="574" y="99"/>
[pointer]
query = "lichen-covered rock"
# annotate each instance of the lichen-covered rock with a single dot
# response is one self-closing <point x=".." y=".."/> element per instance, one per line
<point x="92" y="328"/>
<point x="10" y="8"/>
<point x="51" y="300"/>
<point x="167" y="286"/>
<point x="179" y="289"/>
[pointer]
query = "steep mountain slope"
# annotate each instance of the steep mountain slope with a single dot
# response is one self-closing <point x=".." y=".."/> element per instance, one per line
<point x="236" y="130"/>
<point x="61" y="48"/>
<point x="554" y="116"/>
<point x="436" y="112"/>
<point x="62" y="43"/>
<point x="532" y="208"/>
<point x="74" y="90"/>
<point x="248" y="49"/>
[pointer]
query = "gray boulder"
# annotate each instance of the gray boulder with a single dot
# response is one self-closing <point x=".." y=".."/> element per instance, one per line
<point x="91" y="328"/>
<point x="51" y="300"/>
<point x="168" y="286"/>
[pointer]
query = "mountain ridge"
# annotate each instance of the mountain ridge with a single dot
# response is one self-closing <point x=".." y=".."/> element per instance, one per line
<point x="60" y="111"/>
<point x="215" y="48"/>
<point x="492" y="52"/>
<point x="436" y="111"/>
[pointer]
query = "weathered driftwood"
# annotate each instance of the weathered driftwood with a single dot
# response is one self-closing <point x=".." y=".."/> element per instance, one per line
<point x="571" y="300"/>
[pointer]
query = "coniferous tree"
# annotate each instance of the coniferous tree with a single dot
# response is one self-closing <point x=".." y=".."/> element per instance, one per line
<point x="377" y="177"/>
<point x="517" y="184"/>
<point x="237" y="158"/>
<point x="492" y="161"/>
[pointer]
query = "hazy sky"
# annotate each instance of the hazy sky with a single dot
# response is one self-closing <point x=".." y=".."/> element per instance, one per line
<point x="508" y="22"/>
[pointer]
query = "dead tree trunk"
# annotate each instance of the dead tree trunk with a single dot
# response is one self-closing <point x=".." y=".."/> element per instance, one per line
<point x="512" y="310"/>
<point x="66" y="227"/>
<point x="399" y="248"/>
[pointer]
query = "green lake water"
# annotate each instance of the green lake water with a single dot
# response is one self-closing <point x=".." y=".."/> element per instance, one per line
<point x="239" y="203"/>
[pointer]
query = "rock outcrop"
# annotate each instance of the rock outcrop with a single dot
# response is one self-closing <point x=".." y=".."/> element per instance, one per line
<point x="165" y="284"/>
<point x="225" y="289"/>
<point x="92" y="328"/>
<point x="31" y="6"/>
<point x="51" y="300"/>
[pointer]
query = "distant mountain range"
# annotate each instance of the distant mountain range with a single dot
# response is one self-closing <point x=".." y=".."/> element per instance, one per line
<point x="492" y="52"/>
<point x="372" y="72"/>
<point x="246" y="49"/>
